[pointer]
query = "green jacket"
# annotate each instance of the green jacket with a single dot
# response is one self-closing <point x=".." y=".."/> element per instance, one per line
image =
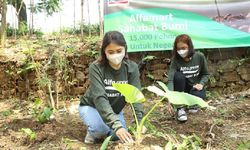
<point x="102" y="96"/>
<point x="195" y="70"/>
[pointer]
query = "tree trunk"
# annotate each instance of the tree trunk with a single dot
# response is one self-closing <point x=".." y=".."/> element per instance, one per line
<point x="31" y="17"/>
<point x="3" y="22"/>
<point x="21" y="11"/>
<point x="22" y="15"/>
<point x="74" y="15"/>
<point x="88" y="18"/>
<point x="100" y="5"/>
<point x="82" y="4"/>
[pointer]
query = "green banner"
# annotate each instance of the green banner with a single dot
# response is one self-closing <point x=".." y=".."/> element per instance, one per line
<point x="153" y="25"/>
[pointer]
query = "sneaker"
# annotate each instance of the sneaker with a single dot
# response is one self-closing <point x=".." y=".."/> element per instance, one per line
<point x="89" y="139"/>
<point x="181" y="115"/>
<point x="193" y="109"/>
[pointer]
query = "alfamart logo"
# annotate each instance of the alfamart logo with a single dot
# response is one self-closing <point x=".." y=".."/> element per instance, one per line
<point x="117" y="2"/>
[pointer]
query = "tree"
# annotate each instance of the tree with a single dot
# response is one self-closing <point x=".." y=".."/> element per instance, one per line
<point x="32" y="10"/>
<point x="88" y="18"/>
<point x="100" y="5"/>
<point x="49" y="6"/>
<point x="81" y="24"/>
<point x="20" y="11"/>
<point x="3" y="9"/>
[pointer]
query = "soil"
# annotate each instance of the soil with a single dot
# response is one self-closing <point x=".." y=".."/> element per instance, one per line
<point x="224" y="128"/>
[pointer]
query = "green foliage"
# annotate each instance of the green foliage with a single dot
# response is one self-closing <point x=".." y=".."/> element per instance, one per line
<point x="31" y="134"/>
<point x="6" y="113"/>
<point x="105" y="143"/>
<point x="212" y="94"/>
<point x="28" y="64"/>
<point x="92" y="46"/>
<point x="92" y="53"/>
<point x="242" y="98"/>
<point x="23" y="30"/>
<point x="48" y="6"/>
<point x="45" y="115"/>
<point x="188" y="142"/>
<point x="27" y="67"/>
<point x="43" y="81"/>
<point x="218" y="121"/>
<point x="148" y="58"/>
<point x="94" y="29"/>
<point x="131" y="93"/>
<point x="42" y="115"/>
<point x="244" y="145"/>
<point x="178" y="98"/>
<point x="212" y="79"/>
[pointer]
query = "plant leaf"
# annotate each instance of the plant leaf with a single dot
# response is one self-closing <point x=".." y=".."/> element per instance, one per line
<point x="182" y="98"/>
<point x="156" y="90"/>
<point x="179" y="98"/>
<point x="131" y="93"/>
<point x="105" y="143"/>
<point x="169" y="146"/>
<point x="163" y="85"/>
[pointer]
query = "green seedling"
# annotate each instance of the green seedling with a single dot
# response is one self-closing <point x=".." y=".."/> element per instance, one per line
<point x="45" y="115"/>
<point x="133" y="95"/>
<point x="31" y="134"/>
<point x="41" y="116"/>
<point x="188" y="142"/>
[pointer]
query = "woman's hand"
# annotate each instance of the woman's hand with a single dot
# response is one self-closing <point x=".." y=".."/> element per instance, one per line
<point x="198" y="87"/>
<point x="124" y="135"/>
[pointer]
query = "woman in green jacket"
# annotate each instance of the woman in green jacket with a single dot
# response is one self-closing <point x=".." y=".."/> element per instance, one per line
<point x="188" y="72"/>
<point x="101" y="106"/>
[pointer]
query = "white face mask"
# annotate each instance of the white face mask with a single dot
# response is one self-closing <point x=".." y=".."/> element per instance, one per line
<point x="116" y="58"/>
<point x="183" y="52"/>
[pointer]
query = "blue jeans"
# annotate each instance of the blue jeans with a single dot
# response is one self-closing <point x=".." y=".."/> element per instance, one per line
<point x="95" y="125"/>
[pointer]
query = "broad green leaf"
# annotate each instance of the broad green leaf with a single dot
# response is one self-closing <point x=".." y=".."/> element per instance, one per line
<point x="47" y="112"/>
<point x="45" y="116"/>
<point x="182" y="98"/>
<point x="169" y="146"/>
<point x="163" y="85"/>
<point x="156" y="90"/>
<point x="105" y="143"/>
<point x="179" y="98"/>
<point x="130" y="92"/>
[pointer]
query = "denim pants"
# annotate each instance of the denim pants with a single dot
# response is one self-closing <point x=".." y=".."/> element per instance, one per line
<point x="181" y="85"/>
<point x="95" y="125"/>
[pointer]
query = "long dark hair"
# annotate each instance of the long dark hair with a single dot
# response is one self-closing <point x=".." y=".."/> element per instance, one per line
<point x="184" y="38"/>
<point x="112" y="37"/>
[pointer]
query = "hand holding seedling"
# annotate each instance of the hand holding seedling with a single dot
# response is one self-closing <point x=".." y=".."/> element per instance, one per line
<point x="124" y="135"/>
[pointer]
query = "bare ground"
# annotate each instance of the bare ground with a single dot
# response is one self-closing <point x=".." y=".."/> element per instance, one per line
<point x="224" y="128"/>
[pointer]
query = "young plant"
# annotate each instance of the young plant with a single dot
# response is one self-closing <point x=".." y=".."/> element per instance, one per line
<point x="179" y="98"/>
<point x="31" y="134"/>
<point x="41" y="116"/>
<point x="188" y="142"/>
<point x="133" y="95"/>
